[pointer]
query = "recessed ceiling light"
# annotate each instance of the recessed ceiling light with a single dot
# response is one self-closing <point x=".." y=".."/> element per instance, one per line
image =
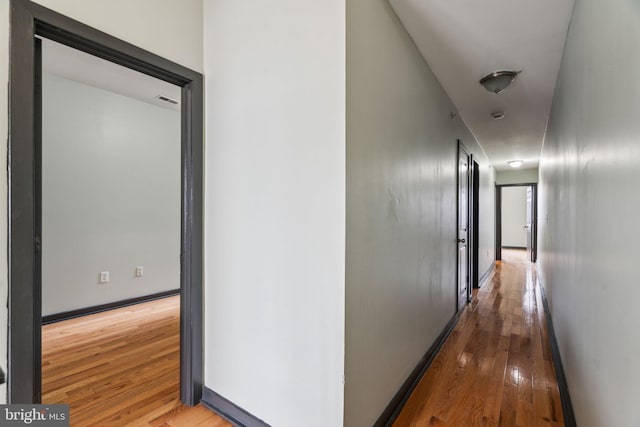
<point x="515" y="163"/>
<point x="497" y="115"/>
<point x="498" y="81"/>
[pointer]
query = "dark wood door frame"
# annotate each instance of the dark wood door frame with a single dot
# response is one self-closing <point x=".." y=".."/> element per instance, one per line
<point x="24" y="353"/>
<point x="534" y="231"/>
<point x="475" y="223"/>
<point x="498" y="225"/>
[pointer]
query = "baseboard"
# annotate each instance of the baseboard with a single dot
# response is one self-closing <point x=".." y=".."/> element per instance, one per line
<point x="58" y="317"/>
<point x="514" y="247"/>
<point x="487" y="274"/>
<point x="229" y="410"/>
<point x="565" y="398"/>
<point x="394" y="407"/>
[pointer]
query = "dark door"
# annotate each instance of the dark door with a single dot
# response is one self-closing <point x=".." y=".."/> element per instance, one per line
<point x="463" y="227"/>
<point x="475" y="224"/>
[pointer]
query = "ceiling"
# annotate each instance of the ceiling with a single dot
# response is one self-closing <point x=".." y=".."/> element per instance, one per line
<point x="75" y="65"/>
<point x="464" y="40"/>
<point x="461" y="40"/>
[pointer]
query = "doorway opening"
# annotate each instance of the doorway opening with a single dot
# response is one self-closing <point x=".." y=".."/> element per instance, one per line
<point x="29" y="21"/>
<point x="516" y="218"/>
<point x="110" y="237"/>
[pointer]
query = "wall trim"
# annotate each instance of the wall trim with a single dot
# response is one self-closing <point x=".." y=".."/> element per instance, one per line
<point x="487" y="274"/>
<point x="565" y="398"/>
<point x="72" y="314"/>
<point x="229" y="410"/>
<point x="394" y="407"/>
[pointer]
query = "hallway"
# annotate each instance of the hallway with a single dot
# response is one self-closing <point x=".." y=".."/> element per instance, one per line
<point x="496" y="368"/>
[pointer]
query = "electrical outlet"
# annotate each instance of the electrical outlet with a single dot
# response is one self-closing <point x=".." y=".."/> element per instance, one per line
<point x="104" y="277"/>
<point x="139" y="271"/>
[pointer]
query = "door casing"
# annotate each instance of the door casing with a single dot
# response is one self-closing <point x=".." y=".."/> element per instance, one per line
<point x="462" y="300"/>
<point x="27" y="20"/>
<point x="474" y="222"/>
<point x="534" y="222"/>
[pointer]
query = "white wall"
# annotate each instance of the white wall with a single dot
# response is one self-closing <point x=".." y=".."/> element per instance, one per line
<point x="275" y="203"/>
<point x="486" y="216"/>
<point x="514" y="216"/>
<point x="401" y="209"/>
<point x="589" y="207"/>
<point x="517" y="176"/>
<point x="111" y="196"/>
<point x="182" y="44"/>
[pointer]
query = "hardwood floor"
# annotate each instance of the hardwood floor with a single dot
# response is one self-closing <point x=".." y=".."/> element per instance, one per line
<point x="120" y="367"/>
<point x="496" y="368"/>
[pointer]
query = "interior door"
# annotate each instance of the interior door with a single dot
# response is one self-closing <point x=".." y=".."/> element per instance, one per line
<point x="474" y="220"/>
<point x="463" y="227"/>
<point x="529" y="225"/>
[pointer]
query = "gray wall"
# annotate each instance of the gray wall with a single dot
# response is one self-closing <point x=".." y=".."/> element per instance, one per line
<point x="487" y="211"/>
<point x="111" y="196"/>
<point x="401" y="209"/>
<point x="589" y="207"/>
<point x="514" y="216"/>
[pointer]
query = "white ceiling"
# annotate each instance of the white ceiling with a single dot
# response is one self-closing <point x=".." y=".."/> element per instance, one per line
<point x="75" y="65"/>
<point x="464" y="40"/>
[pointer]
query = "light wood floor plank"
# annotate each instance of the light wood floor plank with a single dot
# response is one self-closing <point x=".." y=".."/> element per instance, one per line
<point x="496" y="367"/>
<point x="120" y="367"/>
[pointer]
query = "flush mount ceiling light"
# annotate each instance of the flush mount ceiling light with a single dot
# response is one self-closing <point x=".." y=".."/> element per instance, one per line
<point x="497" y="115"/>
<point x="515" y="163"/>
<point x="498" y="81"/>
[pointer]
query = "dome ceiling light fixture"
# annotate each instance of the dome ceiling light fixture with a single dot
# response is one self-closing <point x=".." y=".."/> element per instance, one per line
<point x="497" y="115"/>
<point x="515" y="163"/>
<point x="498" y="81"/>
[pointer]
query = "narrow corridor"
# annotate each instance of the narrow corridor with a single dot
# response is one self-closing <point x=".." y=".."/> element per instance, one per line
<point x="496" y="367"/>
